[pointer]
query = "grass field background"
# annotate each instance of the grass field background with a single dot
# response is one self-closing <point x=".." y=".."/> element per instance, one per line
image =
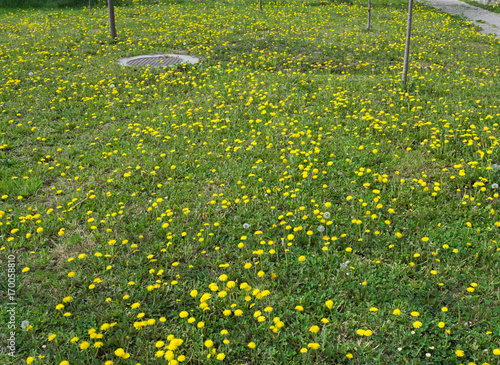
<point x="284" y="201"/>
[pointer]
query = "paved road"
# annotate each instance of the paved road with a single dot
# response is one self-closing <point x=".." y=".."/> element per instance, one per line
<point x="474" y="13"/>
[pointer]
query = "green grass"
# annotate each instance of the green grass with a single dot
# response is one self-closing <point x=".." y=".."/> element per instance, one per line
<point x="55" y="4"/>
<point x="289" y="174"/>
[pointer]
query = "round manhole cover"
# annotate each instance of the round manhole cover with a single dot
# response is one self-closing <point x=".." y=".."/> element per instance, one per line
<point x="165" y="60"/>
<point x="154" y="61"/>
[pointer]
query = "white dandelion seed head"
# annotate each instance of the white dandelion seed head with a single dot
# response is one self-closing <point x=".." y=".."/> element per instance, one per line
<point x="25" y="324"/>
<point x="494" y="186"/>
<point x="321" y="228"/>
<point x="246" y="225"/>
<point x="457" y="72"/>
<point x="112" y="86"/>
<point x="326" y="215"/>
<point x="31" y="73"/>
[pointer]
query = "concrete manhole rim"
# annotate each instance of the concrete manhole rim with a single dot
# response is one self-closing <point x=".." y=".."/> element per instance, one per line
<point x="183" y="59"/>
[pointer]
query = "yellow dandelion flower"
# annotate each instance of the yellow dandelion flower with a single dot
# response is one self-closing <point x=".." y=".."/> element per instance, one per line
<point x="169" y="355"/>
<point x="223" y="278"/>
<point x="314" y="329"/>
<point x="119" y="352"/>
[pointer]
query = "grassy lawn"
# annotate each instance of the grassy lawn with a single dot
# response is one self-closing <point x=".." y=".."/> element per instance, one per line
<point x="284" y="201"/>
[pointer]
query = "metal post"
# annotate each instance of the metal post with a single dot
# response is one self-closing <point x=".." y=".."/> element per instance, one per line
<point x="407" y="46"/>
<point x="112" y="27"/>
<point x="369" y="15"/>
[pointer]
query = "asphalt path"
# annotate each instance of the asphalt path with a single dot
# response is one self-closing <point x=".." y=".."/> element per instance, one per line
<point x="487" y="20"/>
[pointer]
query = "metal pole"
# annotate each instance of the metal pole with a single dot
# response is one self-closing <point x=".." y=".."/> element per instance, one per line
<point x="407" y="46"/>
<point x="112" y="27"/>
<point x="369" y="15"/>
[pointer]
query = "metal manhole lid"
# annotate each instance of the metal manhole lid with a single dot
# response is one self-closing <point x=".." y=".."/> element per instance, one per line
<point x="154" y="61"/>
<point x="163" y="60"/>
